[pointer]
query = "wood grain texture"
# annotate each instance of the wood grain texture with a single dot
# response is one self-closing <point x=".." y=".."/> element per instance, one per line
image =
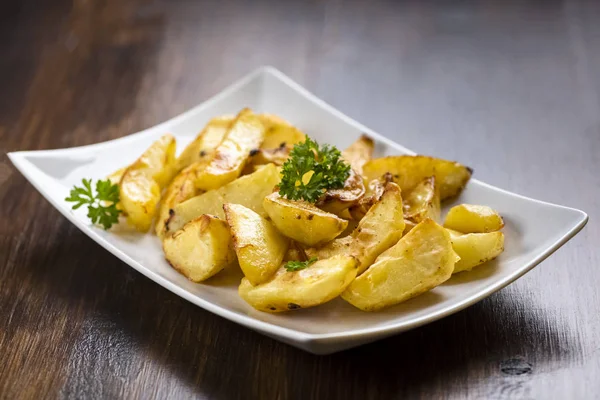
<point x="509" y="88"/>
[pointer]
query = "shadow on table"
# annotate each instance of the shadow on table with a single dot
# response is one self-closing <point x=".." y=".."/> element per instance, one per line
<point x="131" y="328"/>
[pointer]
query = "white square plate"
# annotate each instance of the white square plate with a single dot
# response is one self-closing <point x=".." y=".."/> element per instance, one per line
<point x="534" y="229"/>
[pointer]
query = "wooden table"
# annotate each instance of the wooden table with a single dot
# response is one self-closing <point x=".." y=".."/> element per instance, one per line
<point x="509" y="88"/>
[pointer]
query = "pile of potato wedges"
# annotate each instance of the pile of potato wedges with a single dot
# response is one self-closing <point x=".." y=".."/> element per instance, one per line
<point x="376" y="242"/>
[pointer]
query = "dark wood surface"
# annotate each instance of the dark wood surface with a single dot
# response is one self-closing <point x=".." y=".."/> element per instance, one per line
<point x="510" y="88"/>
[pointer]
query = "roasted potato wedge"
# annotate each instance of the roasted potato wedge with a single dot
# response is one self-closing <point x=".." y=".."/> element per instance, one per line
<point x="249" y="191"/>
<point x="279" y="132"/>
<point x="180" y="189"/>
<point x="380" y="229"/>
<point x="260" y="248"/>
<point x="245" y="134"/>
<point x="359" y="152"/>
<point x="423" y="202"/>
<point x="409" y="171"/>
<point x="469" y="218"/>
<point x="295" y="252"/>
<point x="260" y="157"/>
<point x="420" y="261"/>
<point x="319" y="283"/>
<point x="336" y="201"/>
<point x="373" y="193"/>
<point x="475" y="248"/>
<point x="201" y="248"/>
<point x="143" y="181"/>
<point x="203" y="146"/>
<point x="302" y="221"/>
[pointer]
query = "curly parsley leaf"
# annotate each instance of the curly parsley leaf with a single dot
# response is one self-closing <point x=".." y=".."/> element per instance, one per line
<point x="311" y="169"/>
<point x="102" y="206"/>
<point x="292" y="266"/>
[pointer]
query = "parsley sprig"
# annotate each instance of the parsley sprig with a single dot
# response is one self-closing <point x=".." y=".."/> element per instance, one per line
<point x="312" y="169"/>
<point x="102" y="207"/>
<point x="292" y="266"/>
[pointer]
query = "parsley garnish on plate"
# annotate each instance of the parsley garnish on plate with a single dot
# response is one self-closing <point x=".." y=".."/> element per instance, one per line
<point x="312" y="169"/>
<point x="292" y="266"/>
<point x="102" y="207"/>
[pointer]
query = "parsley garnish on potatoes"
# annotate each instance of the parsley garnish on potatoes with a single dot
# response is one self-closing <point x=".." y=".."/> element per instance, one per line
<point x="292" y="266"/>
<point x="311" y="170"/>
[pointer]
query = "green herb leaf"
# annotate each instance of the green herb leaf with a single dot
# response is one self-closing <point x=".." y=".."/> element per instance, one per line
<point x="311" y="170"/>
<point x="291" y="266"/>
<point x="102" y="207"/>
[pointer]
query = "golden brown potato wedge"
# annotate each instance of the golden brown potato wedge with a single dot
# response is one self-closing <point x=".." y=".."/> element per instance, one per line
<point x="380" y="229"/>
<point x="200" y="249"/>
<point x="203" y="146"/>
<point x="260" y="248"/>
<point x="302" y="221"/>
<point x="295" y="252"/>
<point x="260" y="157"/>
<point x="409" y="171"/>
<point x="469" y="218"/>
<point x="359" y="152"/>
<point x="245" y="134"/>
<point x="279" y="132"/>
<point x="475" y="248"/>
<point x="420" y="261"/>
<point x="423" y="202"/>
<point x="143" y="180"/>
<point x="180" y="189"/>
<point x="336" y="201"/>
<point x="249" y="191"/>
<point x="319" y="283"/>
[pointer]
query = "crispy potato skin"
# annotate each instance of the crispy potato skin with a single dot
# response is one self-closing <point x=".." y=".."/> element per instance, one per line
<point x="317" y="284"/>
<point x="302" y="221"/>
<point x="421" y="203"/>
<point x="141" y="184"/>
<point x="469" y="218"/>
<point x="278" y="131"/>
<point x="203" y="146"/>
<point x="249" y="191"/>
<point x="200" y="249"/>
<point x="409" y="171"/>
<point x="359" y="152"/>
<point x="230" y="157"/>
<point x="260" y="248"/>
<point x="420" y="261"/>
<point x="475" y="248"/>
<point x="380" y="229"/>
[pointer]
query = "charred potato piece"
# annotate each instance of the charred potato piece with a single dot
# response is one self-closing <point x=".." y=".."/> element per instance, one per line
<point x="260" y="248"/>
<point x="302" y="221"/>
<point x="359" y="152"/>
<point x="279" y="132"/>
<point x="249" y="191"/>
<point x="143" y="180"/>
<point x="468" y="218"/>
<point x="380" y="229"/>
<point x="475" y="248"/>
<point x="319" y="283"/>
<point x="420" y="261"/>
<point x="336" y="201"/>
<point x="245" y="133"/>
<point x="373" y="193"/>
<point x="200" y="249"/>
<point x="204" y="145"/>
<point x="409" y="171"/>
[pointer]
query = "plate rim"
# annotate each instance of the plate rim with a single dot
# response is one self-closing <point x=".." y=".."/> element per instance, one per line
<point x="26" y="168"/>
